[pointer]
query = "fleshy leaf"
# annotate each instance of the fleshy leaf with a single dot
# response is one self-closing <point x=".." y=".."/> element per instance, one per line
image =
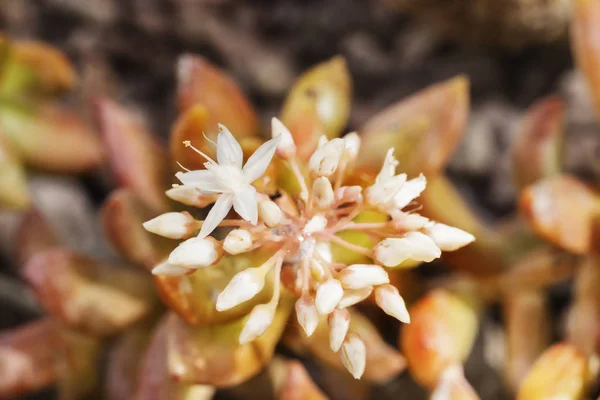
<point x="51" y="138"/>
<point x="42" y="353"/>
<point x="585" y="30"/>
<point x="200" y="82"/>
<point x="122" y="217"/>
<point x="536" y="152"/>
<point x="441" y="333"/>
<point x="96" y="298"/>
<point x="13" y="184"/>
<point x="136" y="158"/>
<point x="298" y="384"/>
<point x="193" y="296"/>
<point x="154" y="381"/>
<point x="424" y="129"/>
<point x="191" y="126"/>
<point x="562" y="210"/>
<point x="34" y="235"/>
<point x="383" y="361"/>
<point x="525" y="311"/>
<point x="213" y="355"/>
<point x="318" y="104"/>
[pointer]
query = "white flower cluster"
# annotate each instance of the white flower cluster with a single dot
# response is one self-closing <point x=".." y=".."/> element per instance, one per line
<point x="302" y="228"/>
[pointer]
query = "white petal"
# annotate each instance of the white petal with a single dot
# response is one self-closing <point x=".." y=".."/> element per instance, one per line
<point x="245" y="204"/>
<point x="326" y="158"/>
<point x="190" y="196"/>
<point x="449" y="238"/>
<point x="242" y="287"/>
<point x="388" y="169"/>
<point x="194" y="253"/>
<point x="201" y="179"/>
<point x="339" y="322"/>
<point x="261" y="317"/>
<point x="286" y="147"/>
<point x="259" y="161"/>
<point x="307" y="314"/>
<point x="216" y="214"/>
<point x="389" y="300"/>
<point x="354" y="355"/>
<point x="360" y="276"/>
<point x="172" y="225"/>
<point x="410" y="191"/>
<point x="169" y="269"/>
<point x="352" y="145"/>
<point x="229" y="151"/>
<point x="323" y="196"/>
<point x="329" y="294"/>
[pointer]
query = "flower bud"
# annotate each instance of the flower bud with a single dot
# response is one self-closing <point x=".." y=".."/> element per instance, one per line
<point x="354" y="355"/>
<point x="409" y="222"/>
<point x="329" y="294"/>
<point x="389" y="300"/>
<point x="322" y="193"/>
<point x="270" y="213"/>
<point x="339" y="322"/>
<point x="326" y="158"/>
<point x="382" y="192"/>
<point x="414" y="245"/>
<point x="410" y="191"/>
<point x="448" y="238"/>
<point x="259" y="320"/>
<point x="354" y="296"/>
<point x="242" y="287"/>
<point x="348" y="194"/>
<point x="238" y="241"/>
<point x="172" y="225"/>
<point x="307" y="314"/>
<point x="316" y="224"/>
<point x="170" y="270"/>
<point x="351" y="145"/>
<point x="195" y="253"/>
<point x="360" y="276"/>
<point x="286" y="147"/>
<point x="190" y="196"/>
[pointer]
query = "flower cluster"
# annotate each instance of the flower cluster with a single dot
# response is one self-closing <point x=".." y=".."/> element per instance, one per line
<point x="302" y="226"/>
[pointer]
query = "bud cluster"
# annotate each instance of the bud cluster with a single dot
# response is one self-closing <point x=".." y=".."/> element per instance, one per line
<point x="303" y="229"/>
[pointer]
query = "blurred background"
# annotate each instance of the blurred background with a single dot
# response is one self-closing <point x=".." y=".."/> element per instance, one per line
<point x="514" y="52"/>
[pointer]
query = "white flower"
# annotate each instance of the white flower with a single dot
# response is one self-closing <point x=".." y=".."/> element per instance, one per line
<point x="237" y="241"/>
<point x="354" y="355"/>
<point x="414" y="245"/>
<point x="449" y="238"/>
<point x="322" y="193"/>
<point x="286" y="147"/>
<point x="173" y="225"/>
<point x="389" y="300"/>
<point x="410" y="191"/>
<point x="195" y="252"/>
<point x="326" y="158"/>
<point x="359" y="276"/>
<point x="387" y="184"/>
<point x="316" y="224"/>
<point x="230" y="180"/>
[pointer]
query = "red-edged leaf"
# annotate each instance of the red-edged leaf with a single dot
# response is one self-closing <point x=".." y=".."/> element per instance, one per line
<point x="88" y="295"/>
<point x="137" y="160"/>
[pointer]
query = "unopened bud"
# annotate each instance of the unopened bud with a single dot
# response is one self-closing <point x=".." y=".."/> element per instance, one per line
<point x="307" y="314"/>
<point x="270" y="213"/>
<point x="322" y="193"/>
<point x="316" y="224"/>
<point x="449" y="238"/>
<point x="190" y="196"/>
<point x="354" y="355"/>
<point x="195" y="253"/>
<point x="243" y="286"/>
<point x="360" y="276"/>
<point x="354" y="296"/>
<point x="348" y="194"/>
<point x="389" y="300"/>
<point x="352" y="145"/>
<point x="326" y="158"/>
<point x="286" y="147"/>
<point x="237" y="241"/>
<point x="170" y="270"/>
<point x="259" y="320"/>
<point x="410" y="191"/>
<point x="409" y="222"/>
<point x="329" y="294"/>
<point x="339" y="322"/>
<point x="172" y="225"/>
<point x="414" y="245"/>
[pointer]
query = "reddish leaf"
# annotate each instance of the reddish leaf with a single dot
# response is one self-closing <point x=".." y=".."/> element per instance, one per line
<point x="536" y="152"/>
<point x="34" y="235"/>
<point x="424" y="129"/>
<point x="299" y="385"/>
<point x="137" y="160"/>
<point x="40" y="354"/>
<point x="87" y="295"/>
